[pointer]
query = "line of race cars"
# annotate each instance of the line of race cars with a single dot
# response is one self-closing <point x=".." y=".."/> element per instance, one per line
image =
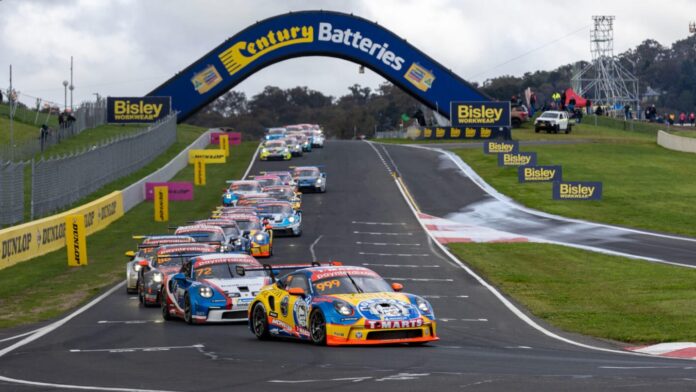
<point x="208" y="271"/>
<point x="283" y="143"/>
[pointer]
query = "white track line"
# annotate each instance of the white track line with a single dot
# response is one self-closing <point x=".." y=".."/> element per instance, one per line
<point x="20" y="335"/>
<point x="311" y="248"/>
<point x="251" y="163"/>
<point x="517" y="312"/>
<point x="52" y="327"/>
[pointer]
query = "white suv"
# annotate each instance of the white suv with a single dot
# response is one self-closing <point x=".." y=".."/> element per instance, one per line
<point x="552" y="121"/>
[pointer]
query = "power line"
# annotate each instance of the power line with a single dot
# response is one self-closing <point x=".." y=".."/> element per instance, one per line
<point x="530" y="52"/>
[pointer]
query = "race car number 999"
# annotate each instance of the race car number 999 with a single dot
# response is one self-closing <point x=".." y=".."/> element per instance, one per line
<point x="328" y="284"/>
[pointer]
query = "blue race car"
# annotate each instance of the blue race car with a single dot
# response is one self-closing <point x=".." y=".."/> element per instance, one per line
<point x="281" y="216"/>
<point x="238" y="188"/>
<point x="309" y="177"/>
<point x="275" y="133"/>
<point x="210" y="288"/>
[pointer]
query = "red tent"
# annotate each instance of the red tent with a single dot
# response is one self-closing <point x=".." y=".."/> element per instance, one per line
<point x="580" y="102"/>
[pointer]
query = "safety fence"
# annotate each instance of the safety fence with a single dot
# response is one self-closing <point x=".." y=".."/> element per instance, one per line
<point x="59" y="182"/>
<point x="11" y="192"/>
<point x="390" y="135"/>
<point x="88" y="115"/>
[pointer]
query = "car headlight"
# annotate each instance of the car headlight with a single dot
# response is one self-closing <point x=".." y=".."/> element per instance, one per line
<point x="319" y="181"/>
<point x="264" y="150"/>
<point x="285" y="150"/>
<point x="157" y="277"/>
<point x="137" y="267"/>
<point x="259" y="237"/>
<point x="343" y="308"/>
<point x="423" y="305"/>
<point x="291" y="219"/>
<point x="205" y="291"/>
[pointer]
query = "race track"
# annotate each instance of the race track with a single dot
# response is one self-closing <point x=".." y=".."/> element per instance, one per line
<point x="363" y="220"/>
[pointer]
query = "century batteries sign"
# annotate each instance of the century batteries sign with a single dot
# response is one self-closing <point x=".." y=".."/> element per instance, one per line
<point x="539" y="173"/>
<point x="480" y="114"/>
<point x="577" y="190"/>
<point x="32" y="239"/>
<point x="137" y="109"/>
<point x="316" y="33"/>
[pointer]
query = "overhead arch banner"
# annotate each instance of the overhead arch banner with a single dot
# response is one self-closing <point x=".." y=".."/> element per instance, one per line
<point x="316" y="33"/>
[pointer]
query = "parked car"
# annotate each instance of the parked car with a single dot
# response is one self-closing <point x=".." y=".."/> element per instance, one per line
<point x="553" y="121"/>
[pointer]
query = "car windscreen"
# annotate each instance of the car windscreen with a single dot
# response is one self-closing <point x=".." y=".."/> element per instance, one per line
<point x="171" y="260"/>
<point x="549" y="115"/>
<point x="276" y="131"/>
<point x="275" y="209"/>
<point x="206" y="236"/>
<point x="268" y="181"/>
<point x="231" y="231"/>
<point x="249" y="225"/>
<point x="350" y="284"/>
<point x="245" y="187"/>
<point x="308" y="173"/>
<point x="278" y="193"/>
<point x="275" y="144"/>
<point x="225" y="271"/>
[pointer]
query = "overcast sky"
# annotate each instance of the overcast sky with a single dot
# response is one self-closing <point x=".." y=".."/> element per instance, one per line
<point x="128" y="47"/>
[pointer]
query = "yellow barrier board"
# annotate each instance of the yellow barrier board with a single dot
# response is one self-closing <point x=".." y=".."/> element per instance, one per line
<point x="224" y="141"/>
<point x="36" y="238"/>
<point x="210" y="156"/>
<point x="199" y="172"/>
<point x="161" y="203"/>
<point x="76" y="240"/>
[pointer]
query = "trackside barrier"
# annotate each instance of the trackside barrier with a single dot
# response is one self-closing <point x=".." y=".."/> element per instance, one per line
<point x="36" y="238"/>
<point x="677" y="143"/>
<point x="135" y="194"/>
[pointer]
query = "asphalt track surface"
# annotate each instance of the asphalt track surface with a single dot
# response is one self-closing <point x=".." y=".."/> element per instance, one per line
<point x="441" y="189"/>
<point x="363" y="220"/>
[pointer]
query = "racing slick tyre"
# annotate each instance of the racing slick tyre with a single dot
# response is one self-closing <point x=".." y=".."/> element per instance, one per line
<point x="555" y="128"/>
<point x="259" y="322"/>
<point x="567" y="131"/>
<point x="165" y="308"/>
<point x="317" y="328"/>
<point x="188" y="312"/>
<point x="141" y="294"/>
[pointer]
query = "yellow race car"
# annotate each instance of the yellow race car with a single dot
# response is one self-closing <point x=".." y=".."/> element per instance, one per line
<point x="340" y="305"/>
<point x="275" y="149"/>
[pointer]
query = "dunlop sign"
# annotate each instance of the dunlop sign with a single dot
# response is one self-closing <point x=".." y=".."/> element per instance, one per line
<point x="500" y="146"/>
<point x="137" y="109"/>
<point x="208" y="156"/>
<point x="539" y="173"/>
<point x="224" y="142"/>
<point x="36" y="238"/>
<point x="480" y="114"/>
<point x="76" y="240"/>
<point x="199" y="172"/>
<point x="517" y="159"/>
<point x="567" y="190"/>
<point x="161" y="203"/>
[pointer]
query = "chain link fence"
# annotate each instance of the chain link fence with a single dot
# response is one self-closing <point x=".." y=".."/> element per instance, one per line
<point x="59" y="182"/>
<point x="11" y="192"/>
<point x="88" y="115"/>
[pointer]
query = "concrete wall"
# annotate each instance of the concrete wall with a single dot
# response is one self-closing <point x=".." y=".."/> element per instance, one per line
<point x="135" y="194"/>
<point x="677" y="143"/>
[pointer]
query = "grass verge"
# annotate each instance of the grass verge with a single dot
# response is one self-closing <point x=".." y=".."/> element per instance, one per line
<point x="645" y="185"/>
<point x="44" y="287"/>
<point x="593" y="294"/>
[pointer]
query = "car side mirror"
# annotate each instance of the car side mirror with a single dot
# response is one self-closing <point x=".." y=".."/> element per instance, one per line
<point x="323" y="175"/>
<point x="296" y="291"/>
<point x="240" y="270"/>
<point x="397" y="287"/>
<point x="130" y="254"/>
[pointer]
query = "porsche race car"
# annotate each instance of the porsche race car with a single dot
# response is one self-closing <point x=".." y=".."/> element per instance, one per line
<point x="166" y="260"/>
<point x="210" y="288"/>
<point x="145" y="249"/>
<point x="214" y="235"/>
<point x="281" y="216"/>
<point x="238" y="188"/>
<point x="309" y="178"/>
<point x="285" y="193"/>
<point x="275" y="149"/>
<point x="259" y="235"/>
<point x="341" y="305"/>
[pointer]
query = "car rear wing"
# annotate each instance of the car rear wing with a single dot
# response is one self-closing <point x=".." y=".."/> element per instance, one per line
<point x="274" y="270"/>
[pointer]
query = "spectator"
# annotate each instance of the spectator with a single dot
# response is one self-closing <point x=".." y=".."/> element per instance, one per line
<point x="670" y="119"/>
<point x="682" y="118"/>
<point x="0" y="96"/>
<point x="627" y="111"/>
<point x="571" y="105"/>
<point x="692" y="118"/>
<point x="43" y="135"/>
<point x="563" y="100"/>
<point x="599" y="110"/>
<point x="532" y="103"/>
<point x="588" y="106"/>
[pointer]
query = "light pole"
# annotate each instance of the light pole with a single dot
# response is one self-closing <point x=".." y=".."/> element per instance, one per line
<point x="72" y="87"/>
<point x="65" y="99"/>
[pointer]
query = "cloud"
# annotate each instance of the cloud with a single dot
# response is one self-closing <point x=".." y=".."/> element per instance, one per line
<point x="128" y="47"/>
